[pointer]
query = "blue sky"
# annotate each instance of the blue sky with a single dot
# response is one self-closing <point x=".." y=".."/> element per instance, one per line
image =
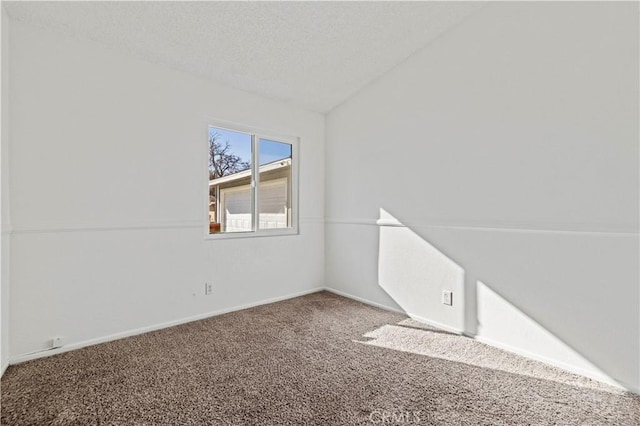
<point x="241" y="145"/>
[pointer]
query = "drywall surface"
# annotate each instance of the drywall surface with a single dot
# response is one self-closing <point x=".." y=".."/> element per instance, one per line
<point x="505" y="155"/>
<point x="4" y="194"/>
<point x="108" y="191"/>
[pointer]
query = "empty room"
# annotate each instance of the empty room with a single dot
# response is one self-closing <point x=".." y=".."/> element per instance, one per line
<point x="320" y="213"/>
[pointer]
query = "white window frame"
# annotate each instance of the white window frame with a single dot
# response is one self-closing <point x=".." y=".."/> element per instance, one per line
<point x="256" y="135"/>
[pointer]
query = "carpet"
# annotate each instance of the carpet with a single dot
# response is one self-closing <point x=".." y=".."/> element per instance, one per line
<point x="319" y="359"/>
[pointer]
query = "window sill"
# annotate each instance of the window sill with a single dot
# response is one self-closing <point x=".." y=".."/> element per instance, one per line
<point x="251" y="234"/>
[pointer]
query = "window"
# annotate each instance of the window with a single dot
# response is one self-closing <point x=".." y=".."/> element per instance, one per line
<point x="252" y="184"/>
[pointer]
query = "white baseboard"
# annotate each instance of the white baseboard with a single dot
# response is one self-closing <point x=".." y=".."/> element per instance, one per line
<point x="4" y="368"/>
<point x="567" y="367"/>
<point x="365" y="301"/>
<point x="591" y="374"/>
<point x="77" y="345"/>
<point x="436" y="324"/>
<point x="392" y="309"/>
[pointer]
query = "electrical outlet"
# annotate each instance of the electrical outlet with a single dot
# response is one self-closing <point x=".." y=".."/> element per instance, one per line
<point x="447" y="297"/>
<point x="208" y="288"/>
<point x="57" y="342"/>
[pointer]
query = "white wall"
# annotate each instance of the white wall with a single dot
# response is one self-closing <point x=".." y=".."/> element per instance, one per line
<point x="509" y="147"/>
<point x="4" y="196"/>
<point x="108" y="196"/>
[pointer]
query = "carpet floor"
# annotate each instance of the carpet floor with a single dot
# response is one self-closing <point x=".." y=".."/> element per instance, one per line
<point x="319" y="359"/>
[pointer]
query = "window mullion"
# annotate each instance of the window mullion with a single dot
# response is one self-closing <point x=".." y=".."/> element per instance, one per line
<point x="255" y="171"/>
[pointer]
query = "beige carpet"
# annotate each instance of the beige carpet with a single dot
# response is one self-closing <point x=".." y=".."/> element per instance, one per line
<point x="315" y="360"/>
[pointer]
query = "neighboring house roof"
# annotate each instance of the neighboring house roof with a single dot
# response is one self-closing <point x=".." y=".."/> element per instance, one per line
<point x="246" y="173"/>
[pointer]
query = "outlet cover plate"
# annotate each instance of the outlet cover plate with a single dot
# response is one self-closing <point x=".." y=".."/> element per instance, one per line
<point x="447" y="297"/>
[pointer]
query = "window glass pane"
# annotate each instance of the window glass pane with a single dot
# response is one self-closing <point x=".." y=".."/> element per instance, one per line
<point x="229" y="181"/>
<point x="274" y="192"/>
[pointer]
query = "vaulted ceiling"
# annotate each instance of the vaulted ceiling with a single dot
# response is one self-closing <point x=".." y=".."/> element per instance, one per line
<point x="311" y="54"/>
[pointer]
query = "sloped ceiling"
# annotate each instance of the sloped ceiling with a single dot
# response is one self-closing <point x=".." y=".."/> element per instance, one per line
<point x="312" y="54"/>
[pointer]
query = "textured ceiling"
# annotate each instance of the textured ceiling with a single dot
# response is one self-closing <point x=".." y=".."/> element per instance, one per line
<point x="311" y="54"/>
